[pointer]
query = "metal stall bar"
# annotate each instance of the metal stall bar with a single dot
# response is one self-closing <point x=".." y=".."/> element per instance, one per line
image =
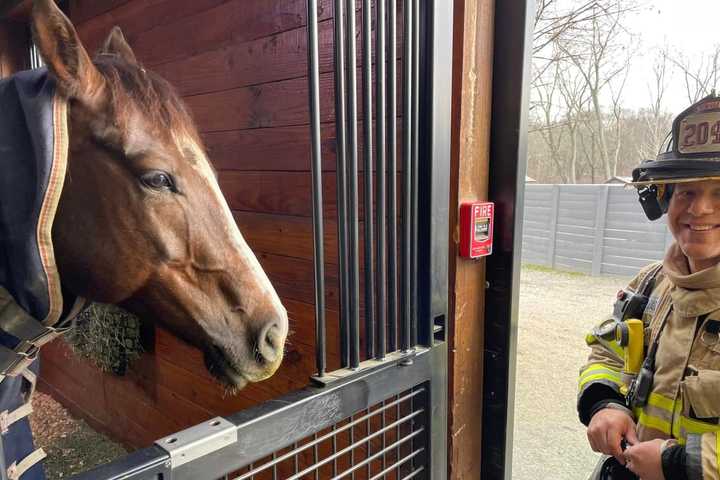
<point x="508" y="163"/>
<point x="435" y="70"/>
<point x="415" y="106"/>
<point x="368" y="176"/>
<point x="405" y="292"/>
<point x="341" y="177"/>
<point x="380" y="198"/>
<point x="316" y="166"/>
<point x="352" y="182"/>
<point x="392" y="178"/>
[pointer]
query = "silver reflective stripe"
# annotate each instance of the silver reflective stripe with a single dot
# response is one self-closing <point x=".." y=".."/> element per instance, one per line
<point x="8" y="418"/>
<point x="693" y="457"/>
<point x="16" y="470"/>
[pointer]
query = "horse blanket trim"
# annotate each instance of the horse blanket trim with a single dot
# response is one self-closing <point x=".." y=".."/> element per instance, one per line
<point x="47" y="213"/>
<point x="33" y="156"/>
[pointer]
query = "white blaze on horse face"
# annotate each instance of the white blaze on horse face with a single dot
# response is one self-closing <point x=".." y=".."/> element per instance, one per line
<point x="202" y="166"/>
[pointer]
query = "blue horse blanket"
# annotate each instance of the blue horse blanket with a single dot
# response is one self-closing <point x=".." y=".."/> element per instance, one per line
<point x="33" y="159"/>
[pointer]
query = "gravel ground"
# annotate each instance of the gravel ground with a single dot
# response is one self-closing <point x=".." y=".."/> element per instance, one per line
<point x="556" y="310"/>
<point x="71" y="445"/>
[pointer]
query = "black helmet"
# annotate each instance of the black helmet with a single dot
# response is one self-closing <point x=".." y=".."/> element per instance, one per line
<point x="690" y="153"/>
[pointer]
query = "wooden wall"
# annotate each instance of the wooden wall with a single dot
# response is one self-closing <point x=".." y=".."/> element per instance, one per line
<point x="241" y="65"/>
<point x="13" y="47"/>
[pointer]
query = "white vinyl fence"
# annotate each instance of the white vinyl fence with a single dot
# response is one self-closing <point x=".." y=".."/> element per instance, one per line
<point x="594" y="229"/>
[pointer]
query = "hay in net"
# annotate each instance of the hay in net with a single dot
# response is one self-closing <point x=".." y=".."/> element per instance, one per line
<point x="108" y="336"/>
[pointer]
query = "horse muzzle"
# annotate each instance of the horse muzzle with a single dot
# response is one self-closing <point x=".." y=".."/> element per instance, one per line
<point x="250" y="360"/>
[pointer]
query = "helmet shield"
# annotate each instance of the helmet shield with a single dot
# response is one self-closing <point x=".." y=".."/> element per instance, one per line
<point x="693" y="152"/>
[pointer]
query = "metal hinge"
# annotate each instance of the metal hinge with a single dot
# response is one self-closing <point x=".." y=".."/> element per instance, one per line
<point x="198" y="441"/>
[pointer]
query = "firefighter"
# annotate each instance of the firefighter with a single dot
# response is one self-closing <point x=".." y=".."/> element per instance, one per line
<point x="662" y="421"/>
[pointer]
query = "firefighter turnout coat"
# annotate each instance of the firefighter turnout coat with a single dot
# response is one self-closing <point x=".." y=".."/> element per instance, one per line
<point x="684" y="400"/>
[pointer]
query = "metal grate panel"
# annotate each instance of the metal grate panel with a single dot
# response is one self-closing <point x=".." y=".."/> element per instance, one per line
<point x="384" y="441"/>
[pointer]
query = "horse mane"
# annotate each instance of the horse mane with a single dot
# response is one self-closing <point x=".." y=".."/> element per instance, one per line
<point x="130" y="85"/>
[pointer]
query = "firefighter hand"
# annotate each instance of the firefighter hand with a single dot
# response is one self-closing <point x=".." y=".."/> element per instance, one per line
<point x="645" y="460"/>
<point x="607" y="429"/>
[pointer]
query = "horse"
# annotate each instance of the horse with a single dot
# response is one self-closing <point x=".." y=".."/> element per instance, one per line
<point x="138" y="219"/>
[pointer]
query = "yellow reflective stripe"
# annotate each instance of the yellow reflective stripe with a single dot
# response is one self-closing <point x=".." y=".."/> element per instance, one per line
<point x="652" y="421"/>
<point x="601" y="376"/>
<point x="690" y="425"/>
<point x="717" y="450"/>
<point x="598" y="371"/>
<point x="662" y="402"/>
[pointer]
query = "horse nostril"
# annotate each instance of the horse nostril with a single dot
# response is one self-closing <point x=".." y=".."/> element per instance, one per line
<point x="268" y="344"/>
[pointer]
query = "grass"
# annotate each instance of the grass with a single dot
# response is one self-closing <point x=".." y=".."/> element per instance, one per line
<point x="542" y="268"/>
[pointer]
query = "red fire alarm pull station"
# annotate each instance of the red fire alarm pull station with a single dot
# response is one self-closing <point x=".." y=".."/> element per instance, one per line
<point x="476" y="229"/>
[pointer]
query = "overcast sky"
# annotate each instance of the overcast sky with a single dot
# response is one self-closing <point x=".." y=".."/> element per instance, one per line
<point x="687" y="26"/>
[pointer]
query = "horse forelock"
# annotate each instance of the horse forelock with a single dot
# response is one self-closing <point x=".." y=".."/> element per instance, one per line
<point x="143" y="104"/>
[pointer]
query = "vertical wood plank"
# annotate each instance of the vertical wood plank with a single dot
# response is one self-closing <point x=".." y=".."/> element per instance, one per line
<point x="472" y="82"/>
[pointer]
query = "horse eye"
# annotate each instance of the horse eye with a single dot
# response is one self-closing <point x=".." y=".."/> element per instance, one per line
<point x="158" y="180"/>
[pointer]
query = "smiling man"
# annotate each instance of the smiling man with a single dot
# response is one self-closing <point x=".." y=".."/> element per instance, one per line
<point x="662" y="421"/>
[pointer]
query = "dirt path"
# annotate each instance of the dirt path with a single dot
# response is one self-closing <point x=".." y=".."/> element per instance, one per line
<point x="556" y="310"/>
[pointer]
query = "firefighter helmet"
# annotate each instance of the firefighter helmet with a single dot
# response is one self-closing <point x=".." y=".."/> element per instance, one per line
<point x="690" y="153"/>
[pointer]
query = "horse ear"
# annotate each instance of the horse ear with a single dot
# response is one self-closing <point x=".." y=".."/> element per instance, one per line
<point x="64" y="54"/>
<point x="115" y="44"/>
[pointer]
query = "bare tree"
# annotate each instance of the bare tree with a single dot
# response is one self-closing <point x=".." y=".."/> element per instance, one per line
<point x="574" y="92"/>
<point x="656" y="119"/>
<point x="547" y="111"/>
<point x="602" y="59"/>
<point x="700" y="74"/>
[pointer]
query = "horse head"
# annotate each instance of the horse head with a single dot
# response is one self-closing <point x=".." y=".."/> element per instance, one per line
<point x="141" y="221"/>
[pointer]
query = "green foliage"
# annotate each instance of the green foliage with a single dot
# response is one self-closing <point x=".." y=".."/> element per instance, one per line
<point x="108" y="336"/>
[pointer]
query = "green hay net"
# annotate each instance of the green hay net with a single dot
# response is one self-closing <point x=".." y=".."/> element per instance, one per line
<point x="108" y="336"/>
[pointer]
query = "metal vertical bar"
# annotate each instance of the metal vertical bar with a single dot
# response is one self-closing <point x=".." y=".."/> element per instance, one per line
<point x="341" y="174"/>
<point x="384" y="437"/>
<point x="296" y="460"/>
<point x="354" y="294"/>
<point x="397" y="437"/>
<point x="405" y="280"/>
<point x="334" y="451"/>
<point x="367" y="443"/>
<point x="380" y="159"/>
<point x="392" y="177"/>
<point x="352" y="450"/>
<point x="368" y="176"/>
<point x="508" y="162"/>
<point x="316" y="167"/>
<point x="414" y="169"/>
<point x="316" y="454"/>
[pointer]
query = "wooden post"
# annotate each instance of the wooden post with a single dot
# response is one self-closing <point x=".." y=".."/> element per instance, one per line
<point x="600" y="219"/>
<point x="472" y="84"/>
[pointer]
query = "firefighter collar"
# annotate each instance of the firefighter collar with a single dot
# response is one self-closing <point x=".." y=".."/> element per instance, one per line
<point x="696" y="293"/>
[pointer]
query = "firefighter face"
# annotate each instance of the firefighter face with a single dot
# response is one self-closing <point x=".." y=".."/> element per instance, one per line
<point x="694" y="220"/>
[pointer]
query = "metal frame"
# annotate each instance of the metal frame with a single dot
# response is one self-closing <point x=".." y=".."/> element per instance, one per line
<point x="223" y="445"/>
<point x="260" y="430"/>
<point x="508" y="162"/>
